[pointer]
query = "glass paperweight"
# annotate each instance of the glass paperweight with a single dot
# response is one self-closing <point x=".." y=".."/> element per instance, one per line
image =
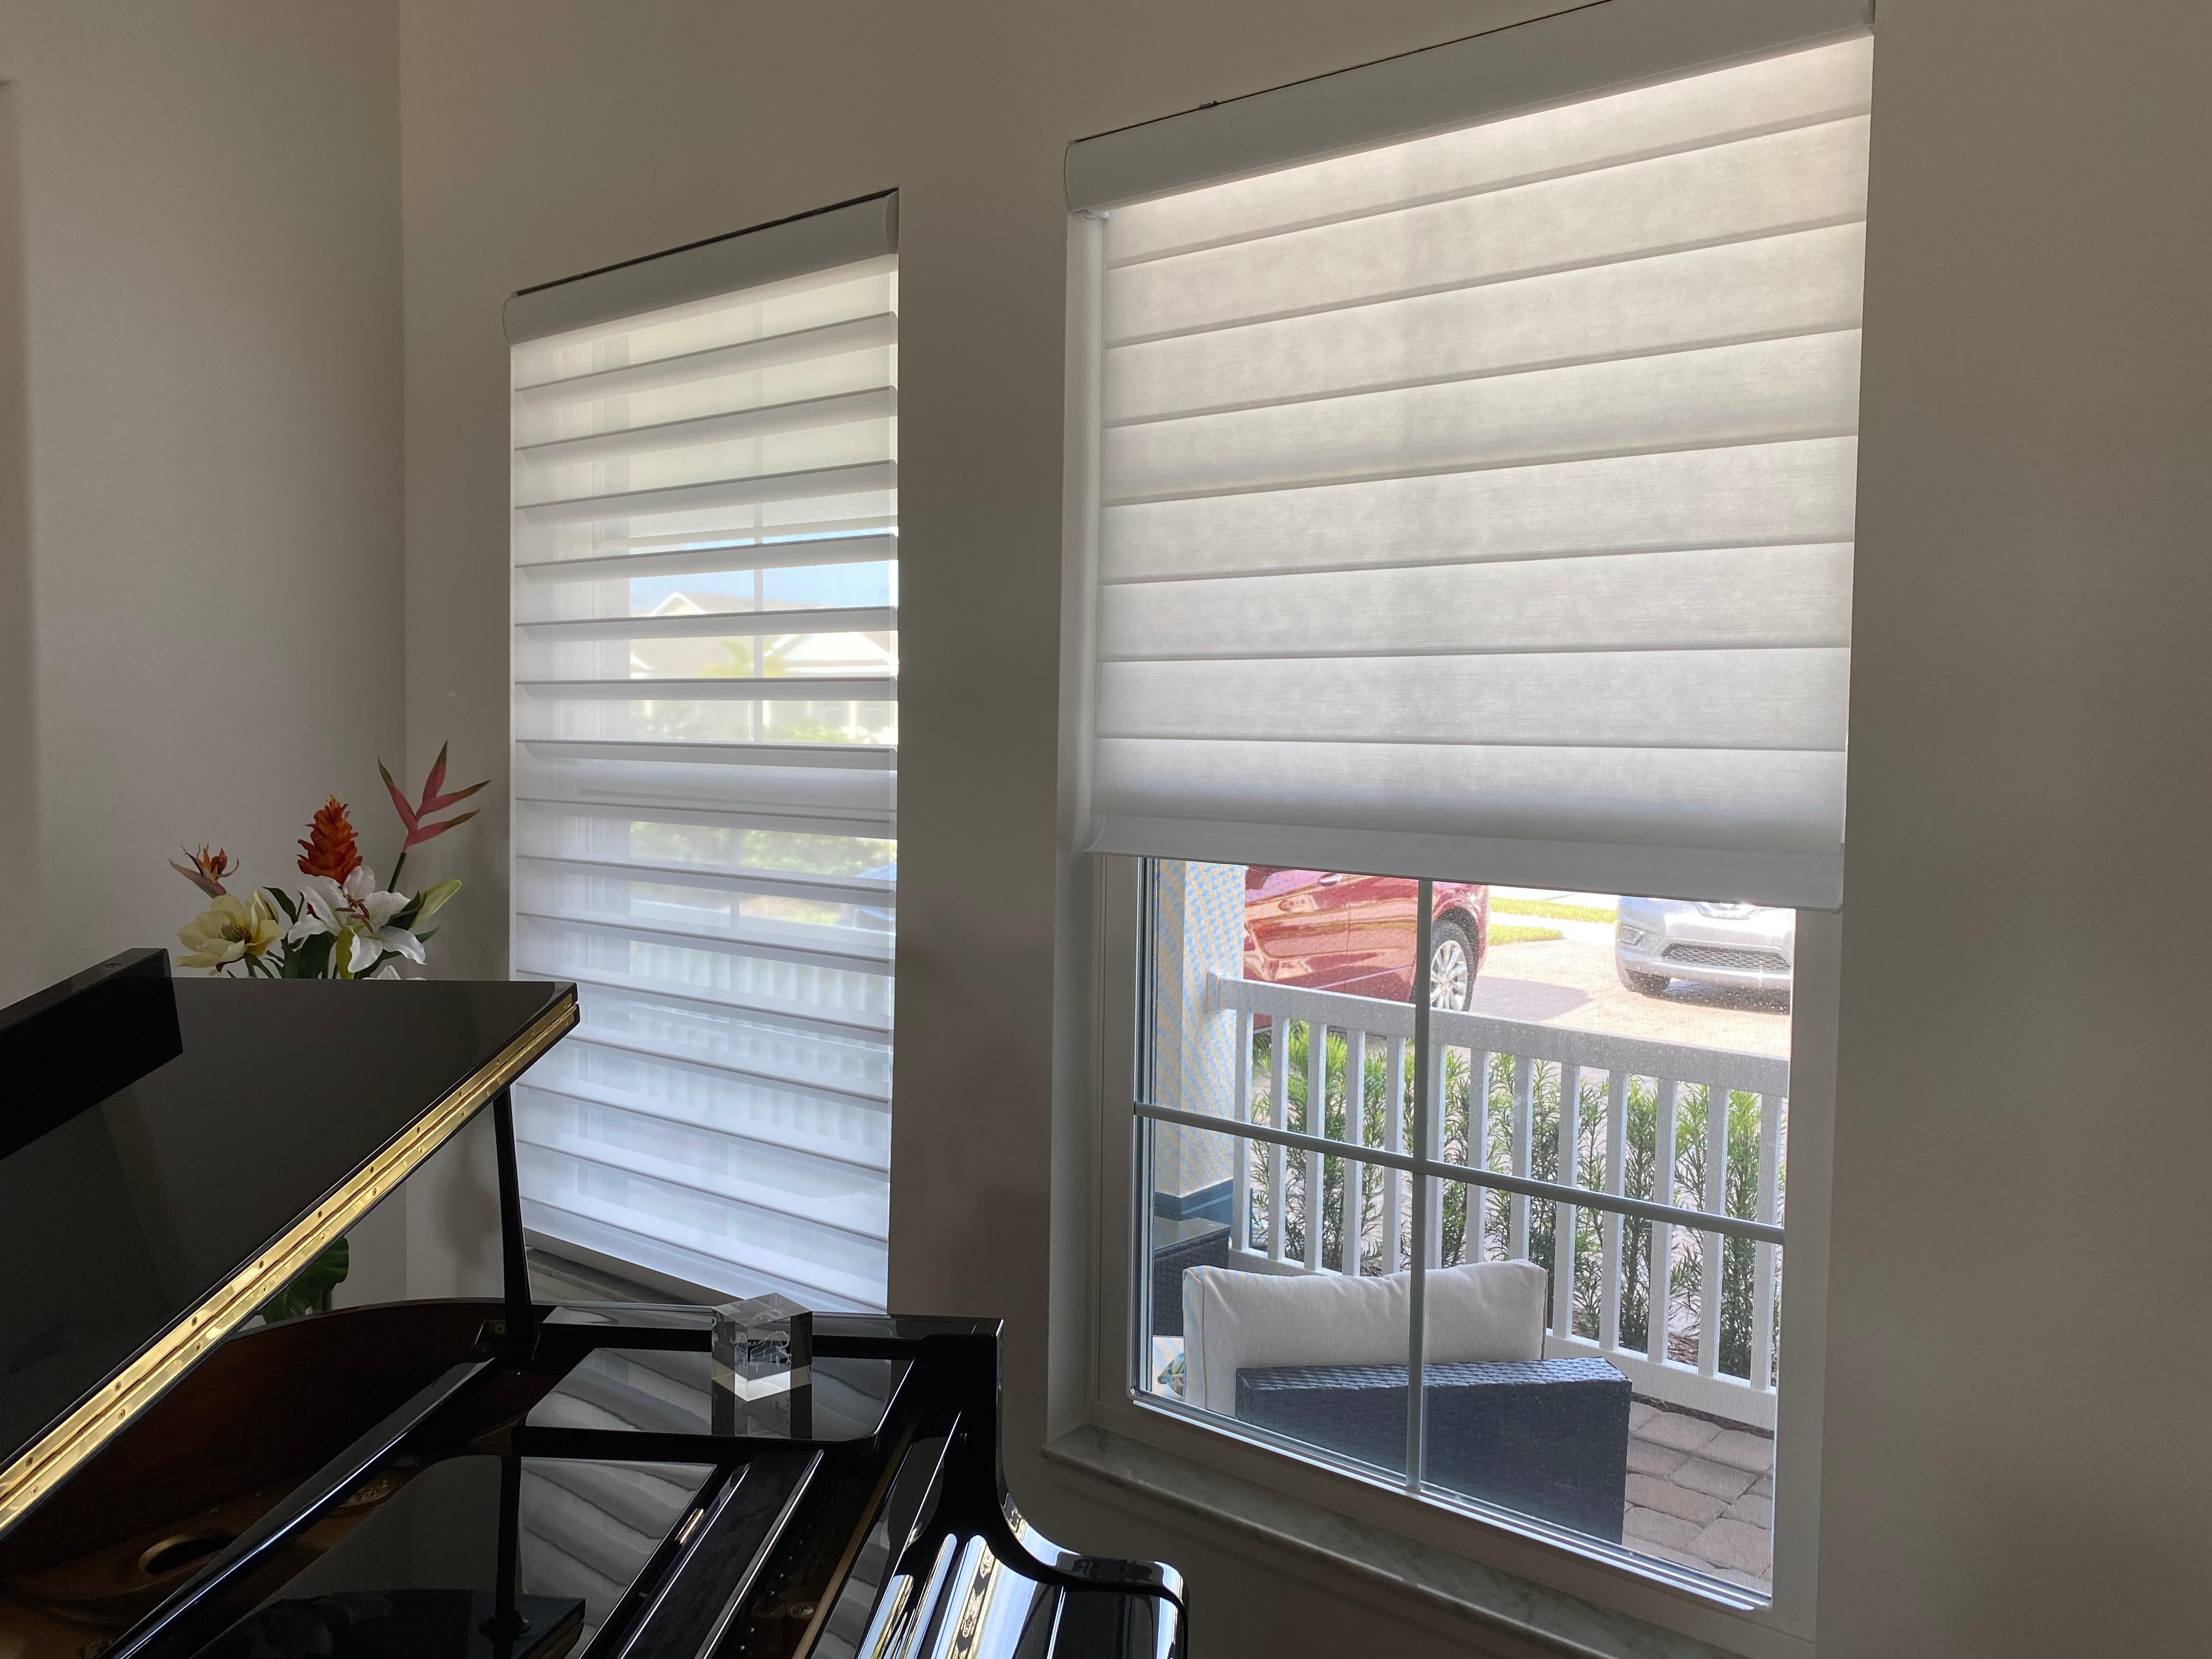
<point x="763" y="1370"/>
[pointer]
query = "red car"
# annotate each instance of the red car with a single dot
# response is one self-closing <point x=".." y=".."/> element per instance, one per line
<point x="1335" y="932"/>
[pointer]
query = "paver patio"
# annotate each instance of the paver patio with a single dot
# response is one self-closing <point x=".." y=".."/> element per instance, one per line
<point x="1700" y="1494"/>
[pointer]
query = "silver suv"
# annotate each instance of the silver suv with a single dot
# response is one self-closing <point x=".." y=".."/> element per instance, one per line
<point x="1745" y="947"/>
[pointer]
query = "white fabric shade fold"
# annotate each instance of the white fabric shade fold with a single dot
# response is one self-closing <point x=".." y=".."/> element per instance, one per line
<point x="1755" y="187"/>
<point x="1721" y="395"/>
<point x="813" y="346"/>
<point x="1798" y="283"/>
<point x="700" y="554"/>
<point x="770" y="420"/>
<point x="1681" y="700"/>
<point x="1792" y="595"/>
<point x="747" y="488"/>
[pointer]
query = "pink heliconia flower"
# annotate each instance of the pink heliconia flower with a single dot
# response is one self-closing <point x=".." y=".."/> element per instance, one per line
<point x="415" y="815"/>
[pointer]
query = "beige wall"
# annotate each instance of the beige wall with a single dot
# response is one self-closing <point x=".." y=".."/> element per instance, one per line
<point x="2019" y="1451"/>
<point x="2015" y="1439"/>
<point x="209" y="242"/>
<point x="2016" y="1448"/>
<point x="19" y="777"/>
<point x="199" y="565"/>
<point x="544" y="139"/>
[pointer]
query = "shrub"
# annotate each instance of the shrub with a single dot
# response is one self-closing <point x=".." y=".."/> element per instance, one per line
<point x="1492" y="1209"/>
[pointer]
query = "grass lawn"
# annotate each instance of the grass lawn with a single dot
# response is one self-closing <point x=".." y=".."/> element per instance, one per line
<point x="1551" y="907"/>
<point x="1512" y="935"/>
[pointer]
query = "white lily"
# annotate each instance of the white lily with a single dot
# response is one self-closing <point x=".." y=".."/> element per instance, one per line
<point x="360" y="915"/>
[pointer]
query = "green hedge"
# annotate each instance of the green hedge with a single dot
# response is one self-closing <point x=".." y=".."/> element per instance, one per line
<point x="1492" y="1209"/>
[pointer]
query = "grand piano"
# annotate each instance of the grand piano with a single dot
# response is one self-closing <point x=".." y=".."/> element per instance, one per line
<point x="501" y="1478"/>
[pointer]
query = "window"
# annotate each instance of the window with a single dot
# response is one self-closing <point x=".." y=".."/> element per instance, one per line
<point x="1607" y="1087"/>
<point x="706" y="617"/>
<point x="1477" y="509"/>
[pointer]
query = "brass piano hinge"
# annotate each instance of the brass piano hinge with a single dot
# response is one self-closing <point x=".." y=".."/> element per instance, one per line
<point x="184" y="1345"/>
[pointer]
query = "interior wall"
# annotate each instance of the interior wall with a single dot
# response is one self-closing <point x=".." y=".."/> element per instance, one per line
<point x="2019" y="1452"/>
<point x="19" y="748"/>
<point x="2015" y="1452"/>
<point x="546" y="137"/>
<point x="209" y="251"/>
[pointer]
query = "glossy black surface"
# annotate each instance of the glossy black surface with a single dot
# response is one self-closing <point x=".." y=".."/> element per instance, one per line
<point x="663" y="1391"/>
<point x="583" y="1532"/>
<point x="72" y="1045"/>
<point x="128" y="1213"/>
<point x="452" y="1524"/>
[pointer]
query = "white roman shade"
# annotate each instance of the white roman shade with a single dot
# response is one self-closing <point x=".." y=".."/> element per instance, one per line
<point x="1479" y="505"/>
<point x="706" y="591"/>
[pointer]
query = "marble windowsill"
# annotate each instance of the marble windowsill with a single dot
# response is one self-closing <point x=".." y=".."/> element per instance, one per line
<point x="1511" y="1605"/>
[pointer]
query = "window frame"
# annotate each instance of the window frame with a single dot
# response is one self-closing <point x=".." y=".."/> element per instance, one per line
<point x="1530" y="1549"/>
<point x="1332" y="114"/>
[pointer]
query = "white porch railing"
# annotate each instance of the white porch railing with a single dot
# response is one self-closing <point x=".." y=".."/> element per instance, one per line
<point x="1725" y="1182"/>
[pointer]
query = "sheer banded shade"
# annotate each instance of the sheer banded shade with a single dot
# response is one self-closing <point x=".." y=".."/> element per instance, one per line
<point x="1481" y="506"/>
<point x="705" y="592"/>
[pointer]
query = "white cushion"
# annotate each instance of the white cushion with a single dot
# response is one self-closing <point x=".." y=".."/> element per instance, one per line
<point x="1234" y="1320"/>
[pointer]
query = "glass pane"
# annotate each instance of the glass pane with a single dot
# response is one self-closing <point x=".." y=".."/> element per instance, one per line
<point x="1277" y="1278"/>
<point x="1637" y="1046"/>
<point x="1623" y="1047"/>
<point x="1243" y="1330"/>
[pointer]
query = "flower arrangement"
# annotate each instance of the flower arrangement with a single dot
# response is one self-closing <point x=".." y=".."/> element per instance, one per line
<point x="338" y="924"/>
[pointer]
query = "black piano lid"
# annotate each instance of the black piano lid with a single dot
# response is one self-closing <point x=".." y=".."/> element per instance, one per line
<point x="172" y="1153"/>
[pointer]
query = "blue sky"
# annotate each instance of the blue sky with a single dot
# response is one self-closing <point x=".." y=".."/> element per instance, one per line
<point x="808" y="584"/>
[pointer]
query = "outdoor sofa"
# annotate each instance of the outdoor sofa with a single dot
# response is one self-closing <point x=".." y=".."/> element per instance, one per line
<point x="1320" y="1358"/>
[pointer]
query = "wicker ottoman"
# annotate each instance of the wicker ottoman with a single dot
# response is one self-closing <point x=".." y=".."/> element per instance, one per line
<point x="1547" y="1437"/>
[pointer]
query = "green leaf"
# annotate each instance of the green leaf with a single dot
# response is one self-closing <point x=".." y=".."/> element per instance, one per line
<point x="311" y="958"/>
<point x="283" y="902"/>
<point x="316" y="1280"/>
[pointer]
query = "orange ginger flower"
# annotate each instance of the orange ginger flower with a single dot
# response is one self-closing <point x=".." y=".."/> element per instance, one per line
<point x="329" y="849"/>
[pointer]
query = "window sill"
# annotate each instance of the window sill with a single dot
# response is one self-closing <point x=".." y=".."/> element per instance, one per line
<point x="1420" y="1572"/>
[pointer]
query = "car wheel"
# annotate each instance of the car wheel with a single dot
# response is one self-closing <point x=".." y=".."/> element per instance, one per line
<point x="1649" y="985"/>
<point x="1451" y="966"/>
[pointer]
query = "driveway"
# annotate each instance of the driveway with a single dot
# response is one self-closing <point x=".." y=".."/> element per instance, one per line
<point x="1570" y="982"/>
